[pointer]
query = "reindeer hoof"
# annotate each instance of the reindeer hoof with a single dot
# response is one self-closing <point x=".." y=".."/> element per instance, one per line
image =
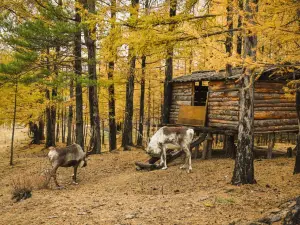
<point x="75" y="183"/>
<point x="189" y="170"/>
<point x="164" y="168"/>
<point x="182" y="167"/>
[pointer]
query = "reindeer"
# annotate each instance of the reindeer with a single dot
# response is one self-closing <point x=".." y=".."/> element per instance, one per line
<point x="180" y="137"/>
<point x="72" y="155"/>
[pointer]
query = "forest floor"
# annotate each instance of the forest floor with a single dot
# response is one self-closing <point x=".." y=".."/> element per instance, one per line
<point x="111" y="191"/>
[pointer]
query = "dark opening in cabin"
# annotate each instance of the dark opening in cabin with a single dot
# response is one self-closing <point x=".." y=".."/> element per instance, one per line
<point x="200" y="94"/>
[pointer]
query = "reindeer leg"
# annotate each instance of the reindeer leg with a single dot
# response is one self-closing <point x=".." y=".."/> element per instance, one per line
<point x="53" y="174"/>
<point x="75" y="174"/>
<point x="164" y="153"/>
<point x="184" y="159"/>
<point x="188" y="158"/>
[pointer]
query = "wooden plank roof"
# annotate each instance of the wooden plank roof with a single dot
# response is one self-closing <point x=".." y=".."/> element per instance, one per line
<point x="268" y="73"/>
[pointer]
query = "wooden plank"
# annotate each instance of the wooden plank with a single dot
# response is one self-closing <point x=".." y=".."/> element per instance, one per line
<point x="192" y="115"/>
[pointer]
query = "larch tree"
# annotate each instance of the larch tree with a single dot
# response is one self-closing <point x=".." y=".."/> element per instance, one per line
<point x="244" y="169"/>
<point x="169" y="67"/>
<point x="111" y="88"/>
<point x="127" y="131"/>
<point x="90" y="36"/>
<point x="78" y="79"/>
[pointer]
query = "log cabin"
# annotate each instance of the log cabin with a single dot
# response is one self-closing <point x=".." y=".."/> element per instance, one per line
<point x="211" y="99"/>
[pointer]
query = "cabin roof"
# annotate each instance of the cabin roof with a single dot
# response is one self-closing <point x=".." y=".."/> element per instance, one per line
<point x="269" y="73"/>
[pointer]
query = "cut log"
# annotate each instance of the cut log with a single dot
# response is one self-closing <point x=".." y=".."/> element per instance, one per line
<point x="273" y="101"/>
<point x="223" y="122"/>
<point x="229" y="103"/>
<point x="223" y="100"/>
<point x="222" y="125"/>
<point x="223" y="112"/>
<point x="183" y="102"/>
<point x="181" y="98"/>
<point x="274" y="115"/>
<point x="223" y="94"/>
<point x="266" y="96"/>
<point x="222" y="117"/>
<point x="266" y="104"/>
<point x="221" y="85"/>
<point x="292" y="109"/>
<point x="277" y="128"/>
<point x="231" y="108"/>
<point x="276" y="122"/>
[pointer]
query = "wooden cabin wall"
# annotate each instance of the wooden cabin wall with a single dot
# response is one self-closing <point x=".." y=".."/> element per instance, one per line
<point x="223" y="104"/>
<point x="274" y="110"/>
<point x="182" y="94"/>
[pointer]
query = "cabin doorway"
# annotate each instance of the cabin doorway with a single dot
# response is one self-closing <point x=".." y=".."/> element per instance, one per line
<point x="200" y="93"/>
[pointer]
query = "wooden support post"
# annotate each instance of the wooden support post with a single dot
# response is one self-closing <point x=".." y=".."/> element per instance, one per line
<point x="229" y="146"/>
<point x="217" y="139"/>
<point x="271" y="145"/>
<point x="196" y="152"/>
<point x="207" y="147"/>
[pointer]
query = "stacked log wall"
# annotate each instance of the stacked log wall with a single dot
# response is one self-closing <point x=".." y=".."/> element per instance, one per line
<point x="274" y="110"/>
<point x="223" y="104"/>
<point x="182" y="94"/>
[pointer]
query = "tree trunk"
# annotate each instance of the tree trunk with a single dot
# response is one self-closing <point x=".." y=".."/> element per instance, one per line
<point x="70" y="114"/>
<point x="63" y="125"/>
<point x="229" y="37"/>
<point x="142" y="102"/>
<point x="239" y="35"/>
<point x="111" y="88"/>
<point x="14" y="125"/>
<point x="127" y="132"/>
<point x="95" y="142"/>
<point x="297" y="161"/>
<point x="148" y="113"/>
<point x="50" y="140"/>
<point x="271" y="145"/>
<point x="78" y="71"/>
<point x="169" y="69"/>
<point x="244" y="168"/>
<point x="57" y="126"/>
<point x="41" y="128"/>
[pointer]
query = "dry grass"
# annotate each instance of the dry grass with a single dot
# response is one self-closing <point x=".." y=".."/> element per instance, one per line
<point x="111" y="191"/>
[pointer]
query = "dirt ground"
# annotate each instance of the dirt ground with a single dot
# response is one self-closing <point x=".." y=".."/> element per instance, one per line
<point x="111" y="191"/>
